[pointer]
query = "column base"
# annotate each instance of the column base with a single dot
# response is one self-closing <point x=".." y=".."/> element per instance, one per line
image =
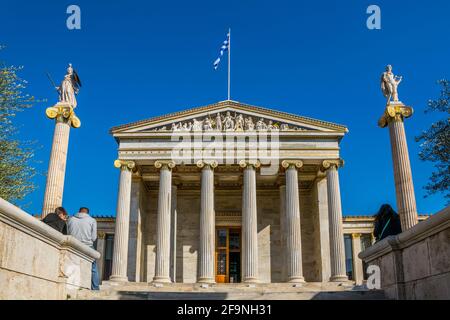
<point x="339" y="278"/>
<point x="251" y="280"/>
<point x="206" y="280"/>
<point x="118" y="278"/>
<point x="296" y="280"/>
<point x="161" y="280"/>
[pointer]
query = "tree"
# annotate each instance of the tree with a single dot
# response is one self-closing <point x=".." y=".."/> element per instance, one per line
<point x="16" y="172"/>
<point x="435" y="144"/>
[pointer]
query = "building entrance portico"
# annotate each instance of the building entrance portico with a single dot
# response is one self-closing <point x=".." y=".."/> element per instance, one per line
<point x="239" y="214"/>
<point x="228" y="254"/>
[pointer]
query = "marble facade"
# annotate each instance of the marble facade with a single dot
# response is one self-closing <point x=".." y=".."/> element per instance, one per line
<point x="290" y="220"/>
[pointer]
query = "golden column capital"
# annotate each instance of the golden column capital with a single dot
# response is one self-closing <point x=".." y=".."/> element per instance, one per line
<point x="292" y="163"/>
<point x="247" y="163"/>
<point x="128" y="164"/>
<point x="63" y="112"/>
<point x="395" y="112"/>
<point x="356" y="235"/>
<point x="160" y="164"/>
<point x="211" y="163"/>
<point x="327" y="164"/>
<point x="101" y="235"/>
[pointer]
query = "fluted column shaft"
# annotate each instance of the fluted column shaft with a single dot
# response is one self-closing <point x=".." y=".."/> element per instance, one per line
<point x="57" y="167"/>
<point x="249" y="227"/>
<point x="121" y="235"/>
<point x="173" y="233"/>
<point x="293" y="236"/>
<point x="207" y="227"/>
<point x="283" y="249"/>
<point x="337" y="251"/>
<point x="404" y="188"/>
<point x="162" y="265"/>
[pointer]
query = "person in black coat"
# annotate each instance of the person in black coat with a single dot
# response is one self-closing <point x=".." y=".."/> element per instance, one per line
<point x="57" y="220"/>
<point x="387" y="223"/>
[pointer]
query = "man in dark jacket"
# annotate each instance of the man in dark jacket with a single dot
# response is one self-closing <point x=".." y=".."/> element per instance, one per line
<point x="57" y="220"/>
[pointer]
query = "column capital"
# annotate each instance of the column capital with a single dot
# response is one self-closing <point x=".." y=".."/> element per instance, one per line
<point x="327" y="164"/>
<point x="395" y="112"/>
<point x="101" y="235"/>
<point x="207" y="163"/>
<point x="247" y="163"/>
<point x="125" y="164"/>
<point x="63" y="112"/>
<point x="292" y="163"/>
<point x="356" y="235"/>
<point x="169" y="164"/>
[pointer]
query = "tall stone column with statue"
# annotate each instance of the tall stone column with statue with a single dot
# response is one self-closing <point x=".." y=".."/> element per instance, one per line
<point x="64" y="114"/>
<point x="394" y="116"/>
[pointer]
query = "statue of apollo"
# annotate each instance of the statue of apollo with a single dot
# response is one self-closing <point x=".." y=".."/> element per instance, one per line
<point x="389" y="85"/>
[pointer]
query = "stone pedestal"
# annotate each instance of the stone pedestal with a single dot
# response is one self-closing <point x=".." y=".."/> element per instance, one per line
<point x="207" y="224"/>
<point x="162" y="265"/>
<point x="293" y="231"/>
<point x="120" y="256"/>
<point x="64" y="119"/>
<point x="249" y="223"/>
<point x="393" y="117"/>
<point x="337" y="249"/>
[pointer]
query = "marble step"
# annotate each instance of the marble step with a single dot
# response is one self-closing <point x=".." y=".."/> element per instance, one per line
<point x="272" y="291"/>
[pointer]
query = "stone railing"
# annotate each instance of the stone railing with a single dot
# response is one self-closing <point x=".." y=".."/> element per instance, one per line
<point x="38" y="262"/>
<point x="415" y="264"/>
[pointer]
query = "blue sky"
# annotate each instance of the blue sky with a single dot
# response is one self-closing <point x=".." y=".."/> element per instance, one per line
<point x="139" y="59"/>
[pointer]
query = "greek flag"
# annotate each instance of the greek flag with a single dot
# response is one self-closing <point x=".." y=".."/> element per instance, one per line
<point x="225" y="46"/>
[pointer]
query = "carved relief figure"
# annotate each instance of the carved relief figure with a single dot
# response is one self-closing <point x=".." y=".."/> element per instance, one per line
<point x="261" y="125"/>
<point x="249" y="125"/>
<point x="239" y="123"/>
<point x="228" y="122"/>
<point x="218" y="122"/>
<point x="207" y="126"/>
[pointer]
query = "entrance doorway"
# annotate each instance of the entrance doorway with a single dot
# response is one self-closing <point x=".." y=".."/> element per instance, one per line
<point x="228" y="254"/>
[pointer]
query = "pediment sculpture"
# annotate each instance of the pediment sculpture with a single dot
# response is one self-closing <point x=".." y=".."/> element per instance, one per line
<point x="225" y="121"/>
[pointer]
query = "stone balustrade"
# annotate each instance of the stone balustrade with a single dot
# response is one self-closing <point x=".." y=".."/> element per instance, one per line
<point x="415" y="264"/>
<point x="38" y="262"/>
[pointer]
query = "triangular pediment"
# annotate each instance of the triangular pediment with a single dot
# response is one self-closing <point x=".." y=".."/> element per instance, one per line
<point x="228" y="116"/>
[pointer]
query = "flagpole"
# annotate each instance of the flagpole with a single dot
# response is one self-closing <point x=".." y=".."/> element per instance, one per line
<point x="229" y="62"/>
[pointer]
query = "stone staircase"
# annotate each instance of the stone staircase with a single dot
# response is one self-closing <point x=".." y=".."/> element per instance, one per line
<point x="272" y="291"/>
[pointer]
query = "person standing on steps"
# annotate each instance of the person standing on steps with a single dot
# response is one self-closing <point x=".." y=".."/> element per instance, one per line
<point x="84" y="228"/>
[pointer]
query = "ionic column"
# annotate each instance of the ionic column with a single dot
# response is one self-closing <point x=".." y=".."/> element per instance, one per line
<point x="406" y="201"/>
<point x="249" y="223"/>
<point x="358" y="272"/>
<point x="282" y="190"/>
<point x="173" y="233"/>
<point x="293" y="231"/>
<point x="101" y="248"/>
<point x="337" y="249"/>
<point x="120" y="255"/>
<point x="162" y="265"/>
<point x="207" y="224"/>
<point x="64" y="118"/>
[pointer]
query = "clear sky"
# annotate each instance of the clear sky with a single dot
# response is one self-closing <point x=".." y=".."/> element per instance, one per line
<point x="139" y="59"/>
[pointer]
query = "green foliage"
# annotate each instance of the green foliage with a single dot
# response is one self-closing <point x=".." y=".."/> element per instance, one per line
<point x="435" y="143"/>
<point x="16" y="173"/>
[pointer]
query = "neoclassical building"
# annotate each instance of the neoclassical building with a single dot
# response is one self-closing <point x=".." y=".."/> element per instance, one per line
<point x="229" y="192"/>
